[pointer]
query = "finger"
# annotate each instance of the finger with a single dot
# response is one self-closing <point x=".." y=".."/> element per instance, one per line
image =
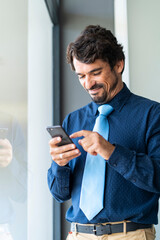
<point x="64" y="161"/>
<point x="82" y="133"/>
<point x="55" y="141"/>
<point x="91" y="150"/>
<point x="90" y="138"/>
<point x="69" y="154"/>
<point x="85" y="143"/>
<point x="88" y="147"/>
<point x="65" y="155"/>
<point x="90" y="143"/>
<point x="62" y="149"/>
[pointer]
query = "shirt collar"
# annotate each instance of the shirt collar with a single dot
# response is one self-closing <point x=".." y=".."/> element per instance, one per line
<point x="120" y="99"/>
<point x="117" y="102"/>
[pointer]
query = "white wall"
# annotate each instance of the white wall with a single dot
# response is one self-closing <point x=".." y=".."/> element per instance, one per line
<point x="144" y="47"/>
<point x="39" y="116"/>
<point x="144" y="51"/>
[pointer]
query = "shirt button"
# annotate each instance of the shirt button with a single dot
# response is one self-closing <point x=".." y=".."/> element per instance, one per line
<point x="115" y="165"/>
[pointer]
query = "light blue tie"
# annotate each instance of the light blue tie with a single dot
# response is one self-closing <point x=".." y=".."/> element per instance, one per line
<point x="92" y="191"/>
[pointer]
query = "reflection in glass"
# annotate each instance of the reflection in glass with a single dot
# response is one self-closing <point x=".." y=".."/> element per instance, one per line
<point x="13" y="171"/>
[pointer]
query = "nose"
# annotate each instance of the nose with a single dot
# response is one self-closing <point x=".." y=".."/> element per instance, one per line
<point x="88" y="82"/>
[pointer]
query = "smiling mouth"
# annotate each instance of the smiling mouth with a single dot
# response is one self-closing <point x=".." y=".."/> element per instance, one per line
<point x="94" y="91"/>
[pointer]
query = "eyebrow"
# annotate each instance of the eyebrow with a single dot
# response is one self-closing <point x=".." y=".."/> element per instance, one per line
<point x="94" y="70"/>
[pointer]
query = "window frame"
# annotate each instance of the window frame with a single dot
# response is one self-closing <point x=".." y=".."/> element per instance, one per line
<point x="53" y="7"/>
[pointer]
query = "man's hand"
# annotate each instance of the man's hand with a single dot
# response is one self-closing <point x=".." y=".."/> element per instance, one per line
<point x="63" y="154"/>
<point x="94" y="143"/>
<point x="5" y="153"/>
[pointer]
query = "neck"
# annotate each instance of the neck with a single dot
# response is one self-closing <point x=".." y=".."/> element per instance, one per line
<point x="116" y="90"/>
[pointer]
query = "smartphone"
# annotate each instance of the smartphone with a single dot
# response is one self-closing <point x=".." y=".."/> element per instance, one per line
<point x="3" y="133"/>
<point x="58" y="131"/>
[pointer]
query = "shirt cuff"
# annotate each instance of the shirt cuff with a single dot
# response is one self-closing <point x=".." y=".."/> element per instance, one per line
<point x="60" y="171"/>
<point x="121" y="159"/>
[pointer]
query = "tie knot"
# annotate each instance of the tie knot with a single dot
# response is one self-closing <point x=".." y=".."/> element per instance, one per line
<point x="105" y="109"/>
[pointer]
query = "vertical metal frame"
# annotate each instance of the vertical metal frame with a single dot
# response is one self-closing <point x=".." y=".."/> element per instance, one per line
<point x="56" y="73"/>
<point x="53" y="7"/>
<point x="56" y="118"/>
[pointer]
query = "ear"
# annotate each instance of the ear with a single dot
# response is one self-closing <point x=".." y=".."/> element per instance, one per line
<point x="119" y="66"/>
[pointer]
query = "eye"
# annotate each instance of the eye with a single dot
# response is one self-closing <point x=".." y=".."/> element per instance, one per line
<point x="81" y="76"/>
<point x="97" y="73"/>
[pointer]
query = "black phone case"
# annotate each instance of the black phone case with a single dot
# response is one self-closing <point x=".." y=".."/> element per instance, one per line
<point x="58" y="131"/>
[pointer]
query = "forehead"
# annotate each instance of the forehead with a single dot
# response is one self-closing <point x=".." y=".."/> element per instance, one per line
<point x="87" y="67"/>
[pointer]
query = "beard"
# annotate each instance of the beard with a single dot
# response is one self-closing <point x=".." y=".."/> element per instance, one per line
<point x="106" y="95"/>
<point x="100" y="99"/>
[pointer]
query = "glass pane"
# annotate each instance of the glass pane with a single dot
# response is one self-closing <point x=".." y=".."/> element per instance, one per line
<point x="13" y="119"/>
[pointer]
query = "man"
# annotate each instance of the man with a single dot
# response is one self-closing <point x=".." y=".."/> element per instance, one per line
<point x="131" y="152"/>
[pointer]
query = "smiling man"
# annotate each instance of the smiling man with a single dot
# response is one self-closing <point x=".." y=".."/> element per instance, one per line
<point x="111" y="171"/>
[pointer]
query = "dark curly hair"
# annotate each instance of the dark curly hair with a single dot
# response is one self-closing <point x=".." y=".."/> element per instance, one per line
<point x="95" y="42"/>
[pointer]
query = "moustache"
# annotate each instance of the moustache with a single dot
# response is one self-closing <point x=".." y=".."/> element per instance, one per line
<point x="95" y="86"/>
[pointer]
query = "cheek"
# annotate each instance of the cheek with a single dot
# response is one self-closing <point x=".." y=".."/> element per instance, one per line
<point x="106" y="85"/>
<point x="108" y="81"/>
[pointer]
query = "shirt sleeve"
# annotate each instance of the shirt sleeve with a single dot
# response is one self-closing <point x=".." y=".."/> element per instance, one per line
<point x="59" y="182"/>
<point x="142" y="169"/>
<point x="59" y="178"/>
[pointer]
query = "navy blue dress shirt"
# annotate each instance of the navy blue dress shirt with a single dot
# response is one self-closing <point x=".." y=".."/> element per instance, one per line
<point x="132" y="185"/>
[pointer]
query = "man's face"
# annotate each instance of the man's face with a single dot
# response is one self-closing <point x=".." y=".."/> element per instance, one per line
<point x="99" y="80"/>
